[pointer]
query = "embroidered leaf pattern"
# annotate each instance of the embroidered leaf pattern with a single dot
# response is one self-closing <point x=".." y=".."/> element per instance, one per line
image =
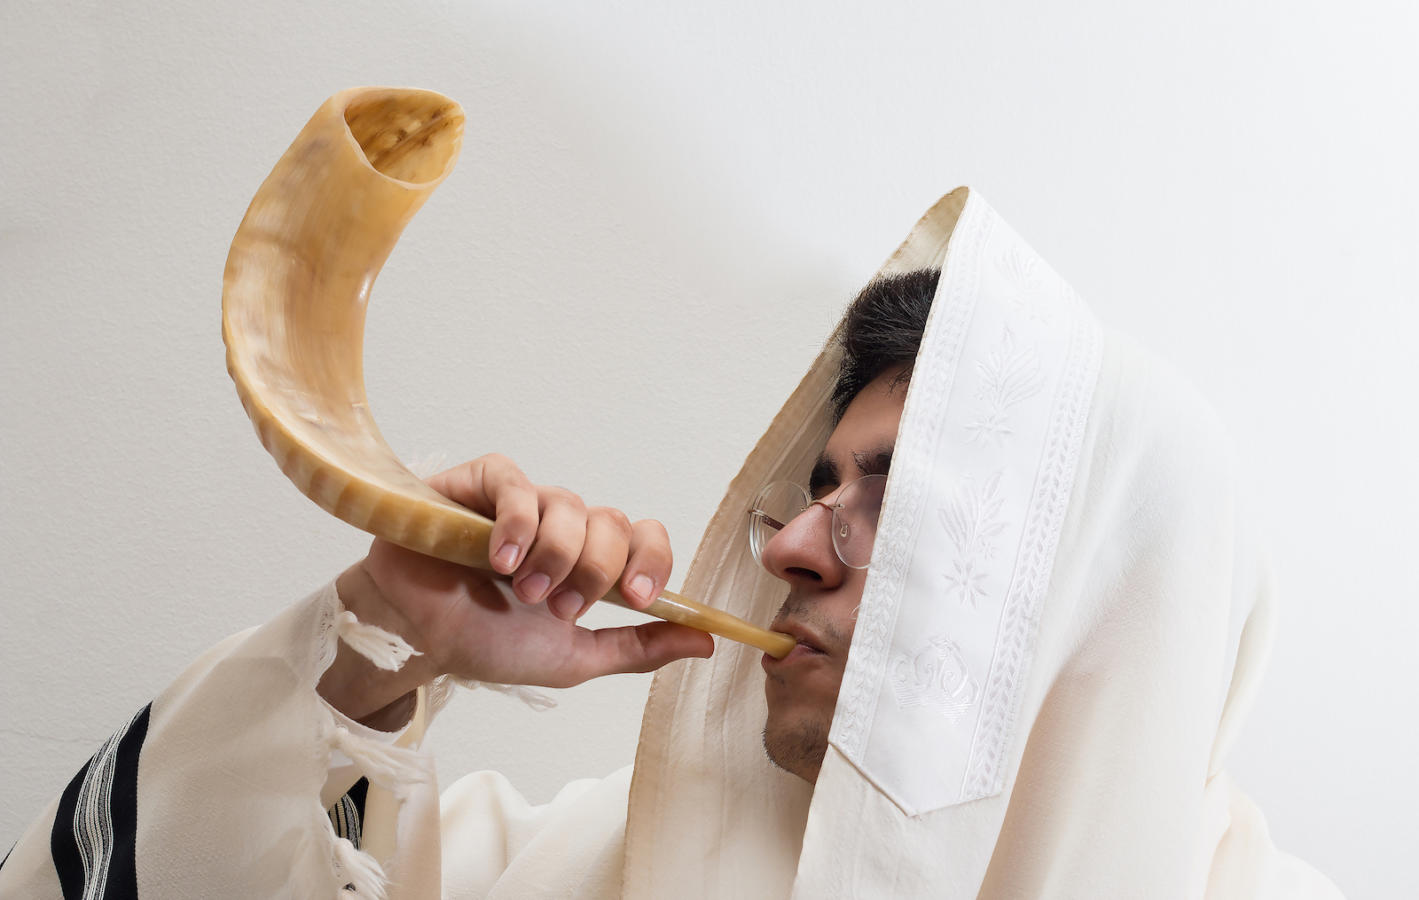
<point x="1029" y="277"/>
<point x="972" y="522"/>
<point x="1008" y="377"/>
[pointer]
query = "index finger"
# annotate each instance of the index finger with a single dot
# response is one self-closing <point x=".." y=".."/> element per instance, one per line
<point x="494" y="486"/>
<point x="648" y="566"/>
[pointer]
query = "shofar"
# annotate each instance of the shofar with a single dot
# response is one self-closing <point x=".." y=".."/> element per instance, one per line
<point x="293" y="315"/>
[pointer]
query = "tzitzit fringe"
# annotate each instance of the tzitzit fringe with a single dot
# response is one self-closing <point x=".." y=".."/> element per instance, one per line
<point x="441" y="692"/>
<point x="385" y="649"/>
<point x="395" y="769"/>
<point x="357" y="869"/>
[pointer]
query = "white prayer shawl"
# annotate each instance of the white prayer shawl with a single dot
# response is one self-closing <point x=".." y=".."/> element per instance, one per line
<point x="1064" y="624"/>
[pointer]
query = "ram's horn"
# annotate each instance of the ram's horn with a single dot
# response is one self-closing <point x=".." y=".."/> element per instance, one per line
<point x="293" y="316"/>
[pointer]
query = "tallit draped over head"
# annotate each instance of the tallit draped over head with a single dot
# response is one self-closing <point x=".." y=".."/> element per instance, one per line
<point x="1064" y="622"/>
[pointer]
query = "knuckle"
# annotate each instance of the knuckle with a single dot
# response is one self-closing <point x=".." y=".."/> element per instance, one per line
<point x="599" y="568"/>
<point x="519" y="516"/>
<point x="653" y="528"/>
<point x="594" y="579"/>
<point x="562" y="496"/>
<point x="616" y="519"/>
<point x="556" y="556"/>
<point x="653" y="542"/>
<point x="494" y="461"/>
<point x="504" y="468"/>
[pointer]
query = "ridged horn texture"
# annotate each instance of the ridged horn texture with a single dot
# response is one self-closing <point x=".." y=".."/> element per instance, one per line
<point x="297" y="281"/>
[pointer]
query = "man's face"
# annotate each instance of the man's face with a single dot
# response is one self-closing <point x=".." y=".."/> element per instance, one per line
<point x="821" y="610"/>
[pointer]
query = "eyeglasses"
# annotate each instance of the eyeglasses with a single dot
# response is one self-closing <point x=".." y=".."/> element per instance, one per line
<point x="859" y="503"/>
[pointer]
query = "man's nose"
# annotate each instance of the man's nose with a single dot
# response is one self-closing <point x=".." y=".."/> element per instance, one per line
<point x="802" y="553"/>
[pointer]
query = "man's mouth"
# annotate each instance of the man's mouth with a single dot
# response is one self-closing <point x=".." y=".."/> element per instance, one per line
<point x="808" y="645"/>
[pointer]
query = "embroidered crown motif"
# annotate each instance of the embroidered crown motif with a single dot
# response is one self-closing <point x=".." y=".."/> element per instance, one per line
<point x="934" y="677"/>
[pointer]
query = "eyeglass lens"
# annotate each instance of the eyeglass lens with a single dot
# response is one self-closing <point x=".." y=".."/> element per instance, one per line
<point x="854" y="524"/>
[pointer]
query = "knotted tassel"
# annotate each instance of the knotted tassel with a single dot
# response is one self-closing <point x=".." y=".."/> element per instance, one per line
<point x="385" y="649"/>
<point x="360" y="871"/>
<point x="393" y="768"/>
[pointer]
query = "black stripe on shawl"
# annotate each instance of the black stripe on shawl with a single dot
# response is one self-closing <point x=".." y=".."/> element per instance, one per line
<point x="116" y="802"/>
<point x="348" y="813"/>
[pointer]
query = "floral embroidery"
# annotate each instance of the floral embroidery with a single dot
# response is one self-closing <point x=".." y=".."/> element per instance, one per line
<point x="973" y="522"/>
<point x="1008" y="377"/>
<point x="1031" y="279"/>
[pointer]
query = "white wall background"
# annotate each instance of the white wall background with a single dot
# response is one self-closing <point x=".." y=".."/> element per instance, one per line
<point x="659" y="211"/>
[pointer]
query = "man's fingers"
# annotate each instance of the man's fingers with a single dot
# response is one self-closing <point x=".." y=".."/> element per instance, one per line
<point x="561" y="534"/>
<point x="554" y="547"/>
<point x="648" y="568"/>
<point x="637" y="648"/>
<point x="494" y="486"/>
<point x="608" y="540"/>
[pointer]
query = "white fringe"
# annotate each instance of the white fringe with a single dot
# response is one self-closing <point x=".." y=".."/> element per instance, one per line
<point x="534" y="698"/>
<point x="361" y="870"/>
<point x="441" y="692"/>
<point x="385" y="649"/>
<point x="393" y="768"/>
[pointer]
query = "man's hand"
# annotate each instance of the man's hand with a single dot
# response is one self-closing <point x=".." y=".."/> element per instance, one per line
<point x="562" y="556"/>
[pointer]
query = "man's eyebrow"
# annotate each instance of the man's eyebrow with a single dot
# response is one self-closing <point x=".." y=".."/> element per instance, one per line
<point x="825" y="475"/>
<point x="874" y="462"/>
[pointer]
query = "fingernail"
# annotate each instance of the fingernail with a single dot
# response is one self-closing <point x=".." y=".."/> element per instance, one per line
<point x="533" y="587"/>
<point x="641" y="586"/>
<point x="507" y="556"/>
<point x="565" y="604"/>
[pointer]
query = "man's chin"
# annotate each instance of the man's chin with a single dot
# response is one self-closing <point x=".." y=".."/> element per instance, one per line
<point x="797" y="748"/>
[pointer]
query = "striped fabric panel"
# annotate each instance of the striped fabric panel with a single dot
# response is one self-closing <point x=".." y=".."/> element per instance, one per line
<point x="346" y="814"/>
<point x="92" y="840"/>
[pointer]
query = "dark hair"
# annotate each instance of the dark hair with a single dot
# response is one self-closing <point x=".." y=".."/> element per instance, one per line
<point x="882" y="329"/>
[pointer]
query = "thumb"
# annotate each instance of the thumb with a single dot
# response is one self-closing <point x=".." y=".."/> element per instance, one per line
<point x="638" y="648"/>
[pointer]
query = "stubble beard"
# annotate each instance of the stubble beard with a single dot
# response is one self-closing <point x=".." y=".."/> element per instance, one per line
<point x="798" y="748"/>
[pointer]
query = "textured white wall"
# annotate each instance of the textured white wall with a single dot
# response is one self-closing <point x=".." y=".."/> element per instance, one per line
<point x="658" y="213"/>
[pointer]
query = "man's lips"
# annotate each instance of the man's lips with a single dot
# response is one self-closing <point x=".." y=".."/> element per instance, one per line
<point x="801" y="633"/>
<point x="808" y="646"/>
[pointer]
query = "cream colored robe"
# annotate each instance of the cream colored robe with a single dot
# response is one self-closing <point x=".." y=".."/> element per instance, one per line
<point x="1064" y="625"/>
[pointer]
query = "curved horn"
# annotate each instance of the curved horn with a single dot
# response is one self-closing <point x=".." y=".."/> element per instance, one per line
<point x="293" y="316"/>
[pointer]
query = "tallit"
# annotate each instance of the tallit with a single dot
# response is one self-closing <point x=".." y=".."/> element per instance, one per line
<point x="1064" y="623"/>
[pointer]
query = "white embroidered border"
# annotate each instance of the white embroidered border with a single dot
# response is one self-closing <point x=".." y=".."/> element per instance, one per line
<point x="877" y="618"/>
<point x="1015" y="645"/>
<point x="983" y="773"/>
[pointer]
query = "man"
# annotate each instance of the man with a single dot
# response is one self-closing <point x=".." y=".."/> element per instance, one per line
<point x="1055" y="627"/>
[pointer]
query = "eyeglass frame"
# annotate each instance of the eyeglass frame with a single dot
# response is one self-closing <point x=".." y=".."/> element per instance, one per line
<point x="755" y="514"/>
